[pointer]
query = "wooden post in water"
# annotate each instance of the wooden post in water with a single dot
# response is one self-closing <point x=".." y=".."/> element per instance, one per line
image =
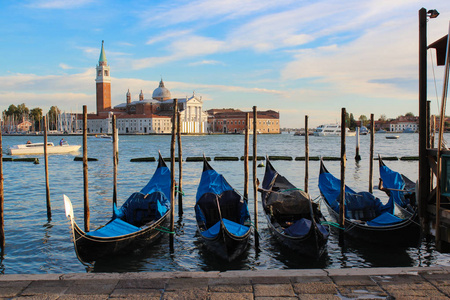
<point x="2" y="198"/>
<point x="357" y="156"/>
<point x="247" y="126"/>
<point x="372" y="142"/>
<point x="172" y="172"/>
<point x="115" y="158"/>
<point x="255" y="186"/>
<point x="343" y="161"/>
<point x="180" y="166"/>
<point x="306" y="154"/>
<point x="87" y="212"/>
<point x="47" y="187"/>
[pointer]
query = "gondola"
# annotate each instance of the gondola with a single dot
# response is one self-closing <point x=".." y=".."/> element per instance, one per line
<point x="137" y="223"/>
<point x="399" y="187"/>
<point x="366" y="218"/>
<point x="222" y="216"/>
<point x="293" y="219"/>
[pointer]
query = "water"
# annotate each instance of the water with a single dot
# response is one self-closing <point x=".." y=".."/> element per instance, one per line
<point x="34" y="245"/>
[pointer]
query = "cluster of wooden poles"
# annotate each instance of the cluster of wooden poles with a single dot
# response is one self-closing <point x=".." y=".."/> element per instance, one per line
<point x="177" y="187"/>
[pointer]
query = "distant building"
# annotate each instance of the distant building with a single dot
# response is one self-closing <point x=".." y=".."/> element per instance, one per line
<point x="233" y="121"/>
<point x="404" y="122"/>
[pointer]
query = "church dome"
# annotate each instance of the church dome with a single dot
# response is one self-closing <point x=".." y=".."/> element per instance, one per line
<point x="161" y="93"/>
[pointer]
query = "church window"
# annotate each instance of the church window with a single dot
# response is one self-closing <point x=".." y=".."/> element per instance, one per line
<point x="99" y="72"/>
<point x="106" y="72"/>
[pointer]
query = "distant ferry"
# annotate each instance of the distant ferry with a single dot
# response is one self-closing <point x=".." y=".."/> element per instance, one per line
<point x="363" y="130"/>
<point x="332" y="130"/>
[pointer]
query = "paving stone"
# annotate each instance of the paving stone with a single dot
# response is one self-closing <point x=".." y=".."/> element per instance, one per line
<point x="271" y="280"/>
<point x="276" y="298"/>
<point x="142" y="283"/>
<point x="83" y="297"/>
<point x="314" y="288"/>
<point x="273" y="290"/>
<point x="91" y="288"/>
<point x="408" y="286"/>
<point x="44" y="290"/>
<point x="353" y="280"/>
<point x="319" y="297"/>
<point x="132" y="293"/>
<point x="301" y="279"/>
<point x="10" y="289"/>
<point x="186" y="284"/>
<point x="185" y="295"/>
<point x="231" y="296"/>
<point x="364" y="292"/>
<point x="231" y="288"/>
<point x="41" y="297"/>
<point x="230" y="280"/>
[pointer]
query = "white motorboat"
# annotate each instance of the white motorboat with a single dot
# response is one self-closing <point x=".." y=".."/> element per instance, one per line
<point x="38" y="148"/>
<point x="101" y="137"/>
<point x="332" y="130"/>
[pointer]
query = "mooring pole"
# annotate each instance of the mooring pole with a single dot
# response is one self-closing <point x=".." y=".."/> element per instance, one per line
<point x="357" y="156"/>
<point x="343" y="161"/>
<point x="2" y="198"/>
<point x="47" y="187"/>
<point x="372" y="142"/>
<point x="424" y="168"/>
<point x="115" y="158"/>
<point x="255" y="186"/>
<point x="180" y="166"/>
<point x="172" y="173"/>
<point x="247" y="125"/>
<point x="87" y="212"/>
<point x="306" y="154"/>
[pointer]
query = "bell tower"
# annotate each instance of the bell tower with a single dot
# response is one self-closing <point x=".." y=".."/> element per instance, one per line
<point x="103" y="82"/>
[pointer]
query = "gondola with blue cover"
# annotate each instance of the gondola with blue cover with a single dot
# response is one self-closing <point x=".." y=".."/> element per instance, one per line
<point x="399" y="187"/>
<point x="367" y="219"/>
<point x="137" y="223"/>
<point x="222" y="216"/>
<point x="293" y="219"/>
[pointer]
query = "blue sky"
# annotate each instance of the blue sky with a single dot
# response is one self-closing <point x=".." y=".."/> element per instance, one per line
<point x="297" y="57"/>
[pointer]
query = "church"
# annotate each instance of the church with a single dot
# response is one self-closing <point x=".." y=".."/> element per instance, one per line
<point x="144" y="116"/>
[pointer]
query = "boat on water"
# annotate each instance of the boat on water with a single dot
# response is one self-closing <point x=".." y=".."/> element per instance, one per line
<point x="381" y="131"/>
<point x="332" y="130"/>
<point x="367" y="219"/>
<point x="363" y="130"/>
<point x="399" y="187"/>
<point x="293" y="219"/>
<point x="38" y="148"/>
<point x="137" y="223"/>
<point x="101" y="137"/>
<point x="408" y="130"/>
<point x="392" y="137"/>
<point x="222" y="216"/>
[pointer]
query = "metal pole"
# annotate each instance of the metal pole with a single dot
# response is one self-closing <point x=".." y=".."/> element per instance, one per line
<point x="172" y="171"/>
<point x="115" y="158"/>
<point x="306" y="154"/>
<point x="87" y="212"/>
<point x="255" y="187"/>
<point x="180" y="166"/>
<point x="247" y="125"/>
<point x="372" y="142"/>
<point x="47" y="187"/>
<point x="343" y="161"/>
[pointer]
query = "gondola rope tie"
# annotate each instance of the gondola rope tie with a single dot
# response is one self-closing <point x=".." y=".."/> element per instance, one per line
<point x="164" y="229"/>
<point x="180" y="192"/>
<point x="334" y="224"/>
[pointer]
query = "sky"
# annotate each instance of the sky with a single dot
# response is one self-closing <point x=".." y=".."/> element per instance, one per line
<point x="296" y="57"/>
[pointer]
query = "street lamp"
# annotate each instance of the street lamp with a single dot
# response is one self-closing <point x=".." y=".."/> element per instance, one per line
<point x="432" y="13"/>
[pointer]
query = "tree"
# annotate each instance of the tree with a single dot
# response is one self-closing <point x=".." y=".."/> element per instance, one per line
<point x="363" y="120"/>
<point x="382" y="118"/>
<point x="409" y="114"/>
<point x="53" y="115"/>
<point x="352" y="122"/>
<point x="36" y="116"/>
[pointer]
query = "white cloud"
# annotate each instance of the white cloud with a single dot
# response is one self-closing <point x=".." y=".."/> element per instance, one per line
<point x="58" y="4"/>
<point x="206" y="62"/>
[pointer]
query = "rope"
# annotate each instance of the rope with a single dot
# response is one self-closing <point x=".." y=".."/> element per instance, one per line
<point x="180" y="192"/>
<point x="164" y="229"/>
<point x="334" y="224"/>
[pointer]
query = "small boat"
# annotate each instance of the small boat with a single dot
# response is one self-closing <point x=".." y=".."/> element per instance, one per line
<point x="38" y="148"/>
<point x="399" y="187"/>
<point x="381" y="131"/>
<point x="101" y="137"/>
<point x="363" y="130"/>
<point x="392" y="137"/>
<point x="293" y="219"/>
<point x="408" y="130"/>
<point x="222" y="216"/>
<point x="366" y="218"/>
<point x="137" y="223"/>
<point x="332" y="130"/>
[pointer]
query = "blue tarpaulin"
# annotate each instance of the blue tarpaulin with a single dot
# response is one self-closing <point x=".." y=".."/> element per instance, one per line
<point x="116" y="227"/>
<point x="234" y="228"/>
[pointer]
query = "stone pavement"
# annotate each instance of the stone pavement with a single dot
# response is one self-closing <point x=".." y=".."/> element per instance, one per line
<point x="370" y="283"/>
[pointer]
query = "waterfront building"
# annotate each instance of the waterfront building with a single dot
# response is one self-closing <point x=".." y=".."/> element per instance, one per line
<point x="233" y="121"/>
<point x="404" y="122"/>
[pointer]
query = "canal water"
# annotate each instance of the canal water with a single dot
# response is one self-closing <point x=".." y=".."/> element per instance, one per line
<point x="35" y="245"/>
